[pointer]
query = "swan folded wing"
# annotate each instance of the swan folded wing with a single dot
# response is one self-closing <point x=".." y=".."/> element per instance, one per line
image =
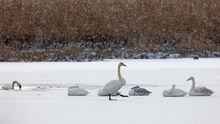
<point x="174" y="93"/>
<point x="77" y="92"/>
<point x="166" y="93"/>
<point x="111" y="87"/>
<point x="6" y="86"/>
<point x="104" y="93"/>
<point x="131" y="92"/>
<point x="202" y="91"/>
<point x="137" y="91"/>
<point x="179" y="92"/>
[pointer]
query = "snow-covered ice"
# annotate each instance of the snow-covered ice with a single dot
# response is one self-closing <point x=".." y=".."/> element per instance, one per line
<point x="44" y="100"/>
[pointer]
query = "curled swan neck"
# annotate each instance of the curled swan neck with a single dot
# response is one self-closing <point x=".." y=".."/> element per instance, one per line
<point x="13" y="85"/>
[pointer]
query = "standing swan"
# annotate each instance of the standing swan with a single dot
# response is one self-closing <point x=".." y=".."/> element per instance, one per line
<point x="11" y="87"/>
<point x="76" y="91"/>
<point x="198" y="91"/>
<point x="112" y="87"/>
<point x="174" y="92"/>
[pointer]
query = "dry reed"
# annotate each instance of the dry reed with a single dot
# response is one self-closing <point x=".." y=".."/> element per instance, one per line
<point x="191" y="24"/>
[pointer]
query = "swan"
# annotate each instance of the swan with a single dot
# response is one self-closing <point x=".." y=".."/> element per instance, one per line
<point x="138" y="91"/>
<point x="198" y="91"/>
<point x="174" y="92"/>
<point x="76" y="91"/>
<point x="8" y="86"/>
<point x="112" y="87"/>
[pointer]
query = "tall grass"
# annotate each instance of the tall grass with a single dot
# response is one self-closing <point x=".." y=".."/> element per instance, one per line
<point x="191" y="23"/>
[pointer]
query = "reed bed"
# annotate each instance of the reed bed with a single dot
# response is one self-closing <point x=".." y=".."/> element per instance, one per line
<point x="148" y="24"/>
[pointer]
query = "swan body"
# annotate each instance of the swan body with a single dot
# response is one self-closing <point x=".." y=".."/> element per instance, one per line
<point x="112" y="87"/>
<point x="8" y="86"/>
<point x="174" y="92"/>
<point x="138" y="91"/>
<point x="198" y="91"/>
<point x="76" y="91"/>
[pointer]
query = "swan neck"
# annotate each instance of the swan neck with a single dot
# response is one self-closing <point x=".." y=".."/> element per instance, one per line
<point x="119" y="72"/>
<point x="193" y="85"/>
<point x="13" y="85"/>
<point x="173" y="87"/>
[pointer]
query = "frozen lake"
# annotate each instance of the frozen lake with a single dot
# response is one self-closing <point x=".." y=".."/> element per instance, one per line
<point x="43" y="98"/>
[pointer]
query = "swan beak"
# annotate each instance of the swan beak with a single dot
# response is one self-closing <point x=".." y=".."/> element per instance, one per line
<point x="188" y="79"/>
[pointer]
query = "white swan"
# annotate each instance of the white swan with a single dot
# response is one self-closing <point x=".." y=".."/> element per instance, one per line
<point x="198" y="91"/>
<point x="8" y="86"/>
<point x="76" y="91"/>
<point x="112" y="87"/>
<point x="138" y="91"/>
<point x="174" y="92"/>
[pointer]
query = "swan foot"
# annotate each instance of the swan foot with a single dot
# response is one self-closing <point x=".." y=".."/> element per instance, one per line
<point x="122" y="95"/>
<point x="111" y="98"/>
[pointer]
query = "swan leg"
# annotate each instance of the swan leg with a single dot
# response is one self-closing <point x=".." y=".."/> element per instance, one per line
<point x="110" y="97"/>
<point x="122" y="95"/>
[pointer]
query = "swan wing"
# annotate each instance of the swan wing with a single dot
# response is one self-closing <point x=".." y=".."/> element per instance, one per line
<point x="175" y="93"/>
<point x="77" y="92"/>
<point x="137" y="91"/>
<point x="202" y="91"/>
<point x="166" y="93"/>
<point x="111" y="87"/>
<point x="179" y="93"/>
<point x="6" y="86"/>
<point x="105" y="93"/>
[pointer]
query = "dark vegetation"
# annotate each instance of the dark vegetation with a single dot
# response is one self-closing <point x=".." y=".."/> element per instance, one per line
<point x="78" y="30"/>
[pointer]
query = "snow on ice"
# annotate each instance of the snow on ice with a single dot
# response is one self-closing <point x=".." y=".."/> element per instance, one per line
<point x="44" y="100"/>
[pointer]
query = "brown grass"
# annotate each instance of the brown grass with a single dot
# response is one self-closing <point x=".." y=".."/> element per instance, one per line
<point x="192" y="24"/>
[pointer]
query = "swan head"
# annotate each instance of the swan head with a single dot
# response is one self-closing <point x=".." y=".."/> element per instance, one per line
<point x="20" y="87"/>
<point x="173" y="86"/>
<point x="122" y="64"/>
<point x="191" y="78"/>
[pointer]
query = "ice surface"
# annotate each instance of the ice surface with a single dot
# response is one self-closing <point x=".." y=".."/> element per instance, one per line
<point x="44" y="100"/>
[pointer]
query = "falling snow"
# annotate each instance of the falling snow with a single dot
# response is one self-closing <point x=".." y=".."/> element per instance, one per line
<point x="76" y="30"/>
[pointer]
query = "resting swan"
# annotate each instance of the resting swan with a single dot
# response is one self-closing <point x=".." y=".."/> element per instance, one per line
<point x="11" y="86"/>
<point x="174" y="92"/>
<point x="112" y="87"/>
<point x="138" y="91"/>
<point x="198" y="91"/>
<point x="76" y="91"/>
